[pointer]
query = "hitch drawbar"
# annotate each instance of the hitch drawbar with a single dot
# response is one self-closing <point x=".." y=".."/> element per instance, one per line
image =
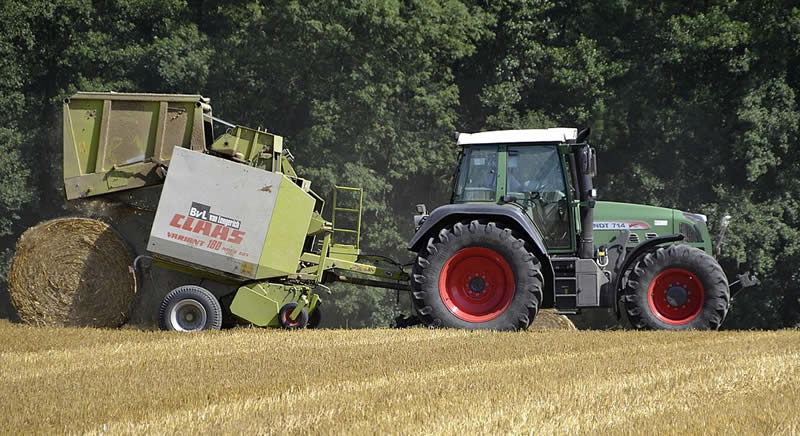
<point x="743" y="281"/>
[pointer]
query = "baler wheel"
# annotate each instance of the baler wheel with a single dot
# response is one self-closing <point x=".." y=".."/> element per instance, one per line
<point x="190" y="308"/>
<point x="677" y="287"/>
<point x="477" y="276"/>
<point x="287" y="323"/>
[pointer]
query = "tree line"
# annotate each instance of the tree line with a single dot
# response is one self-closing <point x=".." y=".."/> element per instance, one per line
<point x="692" y="106"/>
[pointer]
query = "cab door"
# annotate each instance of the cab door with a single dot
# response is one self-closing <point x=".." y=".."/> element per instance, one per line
<point x="536" y="180"/>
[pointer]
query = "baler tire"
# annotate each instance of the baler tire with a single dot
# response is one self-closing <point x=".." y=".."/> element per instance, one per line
<point x="315" y="318"/>
<point x="684" y="270"/>
<point x="229" y="320"/>
<point x="299" y="323"/>
<point x="460" y="263"/>
<point x="195" y="300"/>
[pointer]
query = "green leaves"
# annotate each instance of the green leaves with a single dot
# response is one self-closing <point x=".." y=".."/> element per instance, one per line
<point x="690" y="107"/>
<point x="15" y="190"/>
<point x="770" y="119"/>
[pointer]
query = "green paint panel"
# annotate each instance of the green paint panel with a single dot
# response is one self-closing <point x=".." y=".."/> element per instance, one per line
<point x="115" y="141"/>
<point x="644" y="221"/>
<point x="258" y="148"/>
<point x="131" y="133"/>
<point x="287" y="231"/>
<point x="260" y="303"/>
<point x="85" y="118"/>
<point x="176" y="134"/>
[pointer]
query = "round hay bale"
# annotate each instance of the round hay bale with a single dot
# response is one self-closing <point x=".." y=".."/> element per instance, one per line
<point x="547" y="319"/>
<point x="72" y="272"/>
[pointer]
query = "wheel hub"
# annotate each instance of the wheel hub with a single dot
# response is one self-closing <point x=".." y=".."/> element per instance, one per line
<point x="477" y="284"/>
<point x="188" y="315"/>
<point x="677" y="295"/>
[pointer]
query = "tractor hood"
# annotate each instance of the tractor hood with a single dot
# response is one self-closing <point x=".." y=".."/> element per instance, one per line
<point x="647" y="222"/>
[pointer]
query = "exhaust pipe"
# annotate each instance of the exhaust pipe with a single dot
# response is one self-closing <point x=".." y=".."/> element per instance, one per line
<point x="726" y="220"/>
<point x="586" y="163"/>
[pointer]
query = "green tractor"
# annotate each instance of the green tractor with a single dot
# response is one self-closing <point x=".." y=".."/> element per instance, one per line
<point x="525" y="231"/>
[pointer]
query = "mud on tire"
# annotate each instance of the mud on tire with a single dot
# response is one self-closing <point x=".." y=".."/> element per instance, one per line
<point x="476" y="276"/>
<point x="676" y="288"/>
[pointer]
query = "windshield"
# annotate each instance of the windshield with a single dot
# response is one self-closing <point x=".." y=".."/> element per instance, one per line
<point x="477" y="174"/>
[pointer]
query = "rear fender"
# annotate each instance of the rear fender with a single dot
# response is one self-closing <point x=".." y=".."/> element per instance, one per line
<point x="453" y="213"/>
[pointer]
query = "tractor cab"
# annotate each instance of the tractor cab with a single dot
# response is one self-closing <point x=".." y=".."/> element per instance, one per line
<point x="526" y="168"/>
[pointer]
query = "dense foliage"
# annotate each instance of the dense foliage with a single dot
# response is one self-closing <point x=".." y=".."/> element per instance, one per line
<point x="694" y="107"/>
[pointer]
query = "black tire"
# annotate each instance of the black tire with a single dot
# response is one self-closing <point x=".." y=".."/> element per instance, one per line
<point x="315" y="318"/>
<point x="516" y="305"/>
<point x="287" y="323"/>
<point x="659" y="290"/>
<point x="229" y="320"/>
<point x="190" y="308"/>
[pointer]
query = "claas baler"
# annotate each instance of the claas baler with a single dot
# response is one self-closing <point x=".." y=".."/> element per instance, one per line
<point x="228" y="208"/>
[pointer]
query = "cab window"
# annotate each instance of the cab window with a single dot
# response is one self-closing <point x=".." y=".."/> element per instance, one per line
<point x="535" y="180"/>
<point x="477" y="174"/>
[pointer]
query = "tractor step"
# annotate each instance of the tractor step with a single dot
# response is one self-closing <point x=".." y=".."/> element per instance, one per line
<point x="567" y="312"/>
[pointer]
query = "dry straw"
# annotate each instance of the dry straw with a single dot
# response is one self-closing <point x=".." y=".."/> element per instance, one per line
<point x="72" y="272"/>
<point x="548" y="319"/>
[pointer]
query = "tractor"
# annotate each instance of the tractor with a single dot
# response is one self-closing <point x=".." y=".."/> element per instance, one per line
<point x="524" y="231"/>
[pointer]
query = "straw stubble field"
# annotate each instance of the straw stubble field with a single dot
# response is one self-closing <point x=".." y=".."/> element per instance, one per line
<point x="398" y="381"/>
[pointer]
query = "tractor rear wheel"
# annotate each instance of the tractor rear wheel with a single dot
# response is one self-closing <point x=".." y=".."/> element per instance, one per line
<point x="677" y="288"/>
<point x="476" y="276"/>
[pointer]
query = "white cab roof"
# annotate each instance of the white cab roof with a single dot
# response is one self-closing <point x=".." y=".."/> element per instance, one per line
<point x="556" y="134"/>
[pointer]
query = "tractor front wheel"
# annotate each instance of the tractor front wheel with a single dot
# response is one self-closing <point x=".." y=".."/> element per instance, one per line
<point x="476" y="276"/>
<point x="676" y="288"/>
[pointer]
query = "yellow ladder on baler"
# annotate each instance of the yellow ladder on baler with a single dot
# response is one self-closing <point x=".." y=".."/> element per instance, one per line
<point x="336" y="209"/>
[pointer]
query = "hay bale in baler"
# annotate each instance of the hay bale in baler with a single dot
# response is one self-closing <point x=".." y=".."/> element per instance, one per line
<point x="72" y="272"/>
<point x="548" y="319"/>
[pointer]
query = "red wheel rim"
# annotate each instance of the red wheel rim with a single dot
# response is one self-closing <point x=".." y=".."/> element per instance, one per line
<point x="476" y="284"/>
<point x="288" y="321"/>
<point x="676" y="296"/>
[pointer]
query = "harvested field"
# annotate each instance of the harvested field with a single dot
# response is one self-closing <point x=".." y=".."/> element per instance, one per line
<point x="58" y="380"/>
